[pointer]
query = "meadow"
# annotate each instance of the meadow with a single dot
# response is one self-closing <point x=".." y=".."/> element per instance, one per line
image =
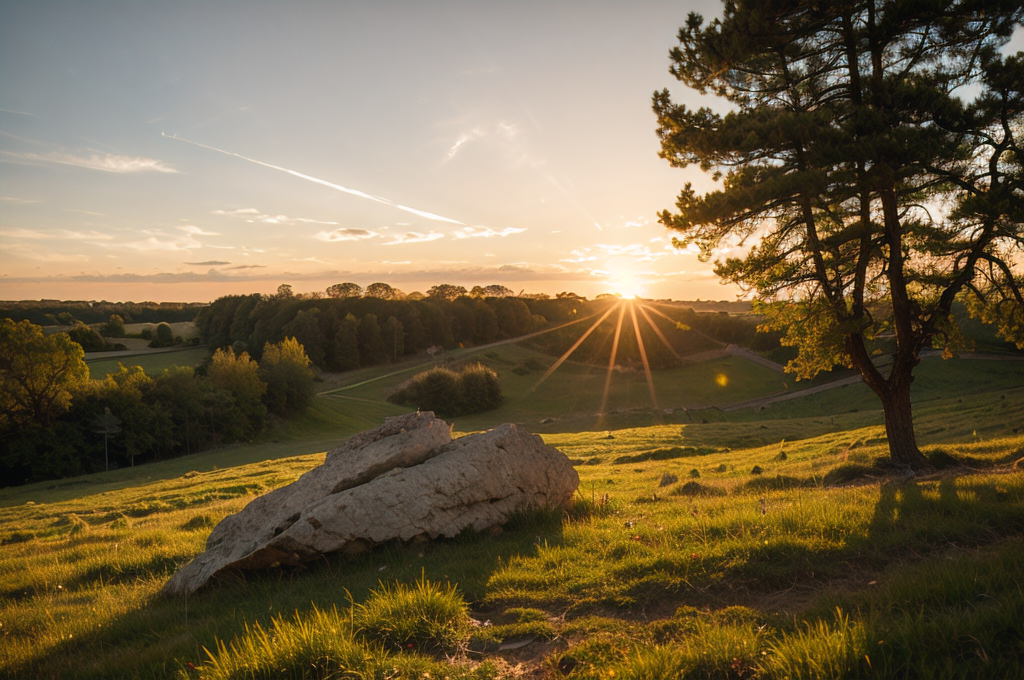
<point x="764" y="544"/>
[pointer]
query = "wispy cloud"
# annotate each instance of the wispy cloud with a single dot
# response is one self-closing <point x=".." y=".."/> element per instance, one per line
<point x="95" y="161"/>
<point x="580" y="255"/>
<point x="414" y="237"/>
<point x="197" y="231"/>
<point x="501" y="131"/>
<point x="248" y="266"/>
<point x="485" y="232"/>
<point x="59" y="234"/>
<point x="155" y="243"/>
<point x="208" y="263"/>
<point x="323" y="182"/>
<point x="347" y="234"/>
<point x="254" y="215"/>
<point x="19" y="201"/>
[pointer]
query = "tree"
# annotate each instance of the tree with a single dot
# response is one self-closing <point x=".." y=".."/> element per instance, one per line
<point x="108" y="425"/>
<point x="114" y="328"/>
<point x="88" y="337"/>
<point x="38" y="373"/>
<point x="345" y="290"/>
<point x="305" y="328"/>
<point x="371" y="342"/>
<point x="394" y="338"/>
<point x="285" y="368"/>
<point x="446" y="291"/>
<point x="163" y="335"/>
<point x="869" y="196"/>
<point x="383" y="291"/>
<point x="284" y="291"/>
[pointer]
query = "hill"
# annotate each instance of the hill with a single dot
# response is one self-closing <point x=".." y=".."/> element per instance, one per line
<point x="783" y="543"/>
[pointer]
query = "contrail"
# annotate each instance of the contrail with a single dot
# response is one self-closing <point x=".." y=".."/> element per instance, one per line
<point x="317" y="180"/>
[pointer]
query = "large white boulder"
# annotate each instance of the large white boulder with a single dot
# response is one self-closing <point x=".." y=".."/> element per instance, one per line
<point x="405" y="479"/>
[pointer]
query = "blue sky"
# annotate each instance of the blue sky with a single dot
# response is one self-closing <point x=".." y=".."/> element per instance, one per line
<point x="182" y="151"/>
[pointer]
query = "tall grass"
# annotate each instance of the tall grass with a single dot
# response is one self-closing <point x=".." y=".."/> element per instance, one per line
<point x="425" y="617"/>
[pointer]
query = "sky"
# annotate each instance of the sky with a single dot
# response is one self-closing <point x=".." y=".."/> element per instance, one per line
<point x="183" y="151"/>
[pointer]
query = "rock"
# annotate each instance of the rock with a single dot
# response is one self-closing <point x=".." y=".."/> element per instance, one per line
<point x="403" y="480"/>
<point x="668" y="479"/>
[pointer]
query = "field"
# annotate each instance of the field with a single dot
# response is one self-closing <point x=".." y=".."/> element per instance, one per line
<point x="822" y="563"/>
<point x="153" y="362"/>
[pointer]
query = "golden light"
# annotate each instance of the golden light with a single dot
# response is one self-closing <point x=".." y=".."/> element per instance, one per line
<point x="626" y="285"/>
<point x="722" y="379"/>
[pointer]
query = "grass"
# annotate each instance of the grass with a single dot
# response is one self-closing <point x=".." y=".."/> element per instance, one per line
<point x="824" y="565"/>
<point x="152" y="363"/>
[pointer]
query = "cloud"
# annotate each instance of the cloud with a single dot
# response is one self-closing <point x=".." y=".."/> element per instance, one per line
<point x="639" y="251"/>
<point x="249" y="266"/>
<point x="485" y="232"/>
<point x="501" y="131"/>
<point x="105" y="162"/>
<point x="60" y="234"/>
<point x="209" y="263"/>
<point x="580" y="255"/>
<point x="323" y="182"/>
<point x="154" y="243"/>
<point x="254" y="215"/>
<point x="414" y="237"/>
<point x="20" y="201"/>
<point x="347" y="234"/>
<point x="197" y="231"/>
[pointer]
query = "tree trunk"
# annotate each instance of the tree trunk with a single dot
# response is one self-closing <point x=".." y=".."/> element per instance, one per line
<point x="894" y="393"/>
<point x="899" y="426"/>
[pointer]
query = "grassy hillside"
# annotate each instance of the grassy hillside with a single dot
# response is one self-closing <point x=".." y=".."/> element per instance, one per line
<point x="821" y="563"/>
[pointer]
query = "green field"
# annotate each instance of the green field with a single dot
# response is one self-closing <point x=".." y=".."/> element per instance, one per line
<point x="822" y="565"/>
<point x="152" y="363"/>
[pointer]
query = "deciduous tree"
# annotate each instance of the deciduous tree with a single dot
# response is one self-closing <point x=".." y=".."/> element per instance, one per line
<point x="38" y="373"/>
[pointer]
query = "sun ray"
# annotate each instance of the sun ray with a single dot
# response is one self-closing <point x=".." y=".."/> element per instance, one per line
<point x="657" y="331"/>
<point x="703" y="335"/>
<point x="611" y="359"/>
<point x="643" y="355"/>
<point x="572" y="349"/>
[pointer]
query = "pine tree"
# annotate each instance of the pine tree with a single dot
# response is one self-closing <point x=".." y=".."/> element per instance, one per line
<point x="865" y="195"/>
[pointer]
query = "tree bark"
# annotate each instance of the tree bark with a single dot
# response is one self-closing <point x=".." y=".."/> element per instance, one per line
<point x="899" y="423"/>
<point x="894" y="393"/>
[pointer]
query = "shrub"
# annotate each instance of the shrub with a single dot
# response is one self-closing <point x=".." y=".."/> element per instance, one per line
<point x="425" y="617"/>
<point x="163" y="335"/>
<point x="88" y="337"/>
<point x="473" y="390"/>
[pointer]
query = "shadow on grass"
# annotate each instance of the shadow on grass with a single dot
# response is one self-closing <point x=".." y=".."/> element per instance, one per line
<point x="180" y="627"/>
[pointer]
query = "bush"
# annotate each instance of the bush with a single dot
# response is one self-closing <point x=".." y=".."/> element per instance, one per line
<point x="163" y="335"/>
<point x="475" y="389"/>
<point x="88" y="337"/>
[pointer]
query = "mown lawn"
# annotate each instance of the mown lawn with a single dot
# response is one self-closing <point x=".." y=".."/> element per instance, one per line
<point x="821" y="564"/>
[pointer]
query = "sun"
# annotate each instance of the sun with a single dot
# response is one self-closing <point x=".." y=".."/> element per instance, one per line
<point x="626" y="285"/>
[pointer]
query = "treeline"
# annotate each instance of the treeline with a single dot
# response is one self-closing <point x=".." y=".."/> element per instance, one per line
<point x="56" y="422"/>
<point x="342" y="333"/>
<point x="68" y="313"/>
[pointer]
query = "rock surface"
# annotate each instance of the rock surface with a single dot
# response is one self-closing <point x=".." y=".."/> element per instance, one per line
<point x="404" y="480"/>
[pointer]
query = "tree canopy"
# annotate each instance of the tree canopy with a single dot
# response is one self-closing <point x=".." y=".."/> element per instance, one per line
<point x="37" y="373"/>
<point x="862" y="190"/>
